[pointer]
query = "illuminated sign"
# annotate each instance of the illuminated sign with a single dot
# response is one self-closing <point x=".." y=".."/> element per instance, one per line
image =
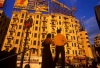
<point x="2" y="3"/>
<point x="38" y="5"/>
<point x="42" y="6"/>
<point x="25" y="4"/>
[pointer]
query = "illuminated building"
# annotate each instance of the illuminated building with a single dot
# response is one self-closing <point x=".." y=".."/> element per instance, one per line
<point x="4" y="24"/>
<point x="41" y="26"/>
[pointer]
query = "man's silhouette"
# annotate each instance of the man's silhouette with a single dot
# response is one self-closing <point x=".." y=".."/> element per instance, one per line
<point x="59" y="41"/>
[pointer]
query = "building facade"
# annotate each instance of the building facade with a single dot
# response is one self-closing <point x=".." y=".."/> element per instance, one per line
<point x="97" y="41"/>
<point x="4" y="24"/>
<point x="43" y="24"/>
<point x="86" y="44"/>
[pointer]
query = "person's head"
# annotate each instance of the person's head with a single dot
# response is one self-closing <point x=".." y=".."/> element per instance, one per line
<point x="48" y="35"/>
<point x="58" y="30"/>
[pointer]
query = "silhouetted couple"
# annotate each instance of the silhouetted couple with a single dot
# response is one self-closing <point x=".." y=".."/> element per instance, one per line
<point x="59" y="42"/>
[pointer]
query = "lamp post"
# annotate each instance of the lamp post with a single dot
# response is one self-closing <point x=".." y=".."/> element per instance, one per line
<point x="28" y="24"/>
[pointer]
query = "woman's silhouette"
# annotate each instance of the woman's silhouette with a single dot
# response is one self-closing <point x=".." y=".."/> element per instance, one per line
<point x="47" y="59"/>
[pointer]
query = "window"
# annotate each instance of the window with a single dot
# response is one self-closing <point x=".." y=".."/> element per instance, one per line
<point x="16" y="41"/>
<point x="59" y="23"/>
<point x="43" y="36"/>
<point x="86" y="34"/>
<point x="7" y="48"/>
<point x="86" y="37"/>
<point x="22" y="15"/>
<point x="73" y="51"/>
<point x="72" y="25"/>
<point x="71" y="20"/>
<point x="21" y="20"/>
<point x="18" y="34"/>
<point x="9" y="40"/>
<point x="73" y="31"/>
<point x="59" y="17"/>
<point x="67" y="37"/>
<point x="67" y="51"/>
<point x="33" y="51"/>
<point x="52" y="50"/>
<point x="41" y="51"/>
<point x="20" y="26"/>
<point x="37" y="16"/>
<point x="76" y="52"/>
<point x="44" y="18"/>
<point x="43" y="29"/>
<point x="87" y="41"/>
<point x="11" y="33"/>
<point x="72" y="44"/>
<point x="38" y="43"/>
<point x="71" y="38"/>
<point x="36" y="28"/>
<point x="52" y="23"/>
<point x="16" y="15"/>
<point x="88" y="45"/>
<point x="52" y="16"/>
<point x="52" y="35"/>
<point x="74" y="37"/>
<point x="35" y="34"/>
<point x="36" y="22"/>
<point x="34" y="42"/>
<point x="67" y="44"/>
<point x="75" y="44"/>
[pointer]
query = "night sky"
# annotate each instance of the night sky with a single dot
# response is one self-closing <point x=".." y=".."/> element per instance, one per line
<point x="84" y="8"/>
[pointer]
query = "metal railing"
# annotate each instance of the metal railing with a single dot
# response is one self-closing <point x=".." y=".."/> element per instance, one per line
<point x="15" y="54"/>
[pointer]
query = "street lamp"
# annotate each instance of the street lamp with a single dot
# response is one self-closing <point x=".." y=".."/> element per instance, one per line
<point x="28" y="24"/>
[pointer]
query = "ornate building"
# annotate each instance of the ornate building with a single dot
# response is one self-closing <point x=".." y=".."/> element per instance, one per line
<point x="42" y="25"/>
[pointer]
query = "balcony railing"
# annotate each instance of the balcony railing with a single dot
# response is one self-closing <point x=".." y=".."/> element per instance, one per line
<point x="45" y="20"/>
<point x="13" y="23"/>
<point x="12" y="29"/>
<point x="44" y="26"/>
<point x="10" y="37"/>
<point x="53" y="19"/>
<point x="53" y="31"/>
<point x="53" y="25"/>
<point x="8" y="45"/>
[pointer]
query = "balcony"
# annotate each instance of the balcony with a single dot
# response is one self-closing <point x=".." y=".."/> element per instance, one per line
<point x="10" y="37"/>
<point x="66" y="27"/>
<point x="44" y="32"/>
<point x="53" y="19"/>
<point x="53" y="25"/>
<point x="8" y="45"/>
<point x="68" y="47"/>
<point x="53" y="31"/>
<point x="45" y="20"/>
<point x="79" y="42"/>
<point x="12" y="30"/>
<point x="66" y="21"/>
<point x="67" y="33"/>
<point x="44" y="26"/>
<point x="13" y="23"/>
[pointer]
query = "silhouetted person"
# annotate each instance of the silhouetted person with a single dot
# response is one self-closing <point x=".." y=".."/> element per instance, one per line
<point x="13" y="59"/>
<point x="47" y="60"/>
<point x="59" y="41"/>
<point x="27" y="66"/>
